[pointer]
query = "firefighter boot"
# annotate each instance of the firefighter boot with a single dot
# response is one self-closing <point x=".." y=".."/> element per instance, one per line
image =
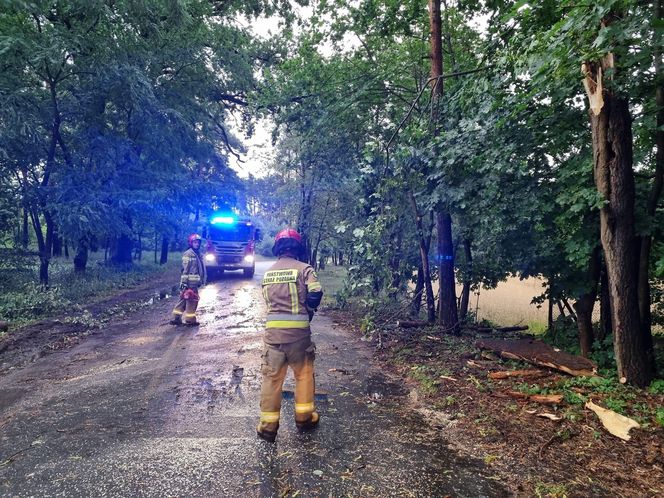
<point x="308" y="425"/>
<point x="265" y="433"/>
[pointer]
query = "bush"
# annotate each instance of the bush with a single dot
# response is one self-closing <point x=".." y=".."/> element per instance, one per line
<point x="25" y="300"/>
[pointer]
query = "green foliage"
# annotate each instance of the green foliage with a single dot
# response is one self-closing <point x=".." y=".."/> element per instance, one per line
<point x="656" y="386"/>
<point x="26" y="301"/>
<point x="546" y="490"/>
<point x="659" y="416"/>
<point x="603" y="354"/>
<point x="114" y="117"/>
<point x="426" y="377"/>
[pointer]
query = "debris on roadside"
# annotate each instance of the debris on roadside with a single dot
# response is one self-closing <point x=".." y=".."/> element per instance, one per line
<point x="506" y="374"/>
<point x="543" y="399"/>
<point x="541" y="354"/>
<point x="616" y="424"/>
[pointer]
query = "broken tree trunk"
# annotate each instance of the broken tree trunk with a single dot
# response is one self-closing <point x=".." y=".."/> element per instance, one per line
<point x="541" y="354"/>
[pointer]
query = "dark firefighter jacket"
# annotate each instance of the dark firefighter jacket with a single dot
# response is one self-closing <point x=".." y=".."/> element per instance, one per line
<point x="193" y="270"/>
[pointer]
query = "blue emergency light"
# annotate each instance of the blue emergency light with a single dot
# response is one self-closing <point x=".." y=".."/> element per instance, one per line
<point x="222" y="220"/>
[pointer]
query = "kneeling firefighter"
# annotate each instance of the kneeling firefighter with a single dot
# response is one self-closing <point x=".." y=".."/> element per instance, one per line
<point x="193" y="275"/>
<point x="292" y="293"/>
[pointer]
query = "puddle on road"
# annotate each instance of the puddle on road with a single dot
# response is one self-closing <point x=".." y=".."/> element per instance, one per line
<point x="140" y="341"/>
<point x="213" y="389"/>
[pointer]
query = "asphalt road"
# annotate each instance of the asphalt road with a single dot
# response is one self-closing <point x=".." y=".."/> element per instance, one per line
<point x="143" y="408"/>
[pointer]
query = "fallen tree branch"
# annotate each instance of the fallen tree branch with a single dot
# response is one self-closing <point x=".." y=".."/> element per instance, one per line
<point x="517" y="373"/>
<point x="544" y="399"/>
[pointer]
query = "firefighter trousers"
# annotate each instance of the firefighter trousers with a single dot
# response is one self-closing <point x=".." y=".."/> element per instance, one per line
<point x="299" y="355"/>
<point x="186" y="308"/>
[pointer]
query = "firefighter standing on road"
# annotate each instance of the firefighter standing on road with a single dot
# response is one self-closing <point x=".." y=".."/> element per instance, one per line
<point x="292" y="293"/>
<point x="193" y="276"/>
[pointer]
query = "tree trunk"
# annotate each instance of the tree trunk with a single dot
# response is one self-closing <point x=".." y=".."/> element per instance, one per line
<point x="416" y="303"/>
<point x="447" y="318"/>
<point x="121" y="250"/>
<point x="605" y="325"/>
<point x="164" y="250"/>
<point x="424" y="259"/>
<point x="550" y="323"/>
<point x="612" y="163"/>
<point x="585" y="304"/>
<point x="66" y="250"/>
<point x="25" y="235"/>
<point x="139" y="248"/>
<point x="81" y="258"/>
<point x="57" y="245"/>
<point x="465" y="292"/>
<point x="447" y="292"/>
<point x="44" y="245"/>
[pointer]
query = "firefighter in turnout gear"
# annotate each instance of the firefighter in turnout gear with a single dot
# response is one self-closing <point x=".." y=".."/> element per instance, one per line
<point x="193" y="276"/>
<point x="292" y="293"/>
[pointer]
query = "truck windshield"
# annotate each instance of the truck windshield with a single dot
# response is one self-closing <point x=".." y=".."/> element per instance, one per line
<point x="232" y="233"/>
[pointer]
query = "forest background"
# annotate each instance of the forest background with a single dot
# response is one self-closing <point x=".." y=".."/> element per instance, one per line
<point x="537" y="149"/>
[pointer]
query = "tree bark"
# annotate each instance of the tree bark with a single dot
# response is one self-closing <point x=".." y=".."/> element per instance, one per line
<point x="416" y="302"/>
<point x="605" y="325"/>
<point x="57" y="245"/>
<point x="81" y="258"/>
<point x="447" y="318"/>
<point x="465" y="292"/>
<point x="447" y="302"/>
<point x="585" y="304"/>
<point x="25" y="235"/>
<point x="424" y="259"/>
<point x="163" y="259"/>
<point x="121" y="250"/>
<point x="614" y="178"/>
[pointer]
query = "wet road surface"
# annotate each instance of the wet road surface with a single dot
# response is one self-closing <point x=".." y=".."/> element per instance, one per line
<point x="143" y="408"/>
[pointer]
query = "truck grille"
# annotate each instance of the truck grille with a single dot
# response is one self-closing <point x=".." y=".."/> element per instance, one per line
<point x="229" y="252"/>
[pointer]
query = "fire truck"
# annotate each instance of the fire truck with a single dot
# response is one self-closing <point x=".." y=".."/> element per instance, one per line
<point x="231" y="244"/>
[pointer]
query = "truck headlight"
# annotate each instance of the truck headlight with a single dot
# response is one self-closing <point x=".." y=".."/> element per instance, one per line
<point x="210" y="257"/>
<point x="249" y="258"/>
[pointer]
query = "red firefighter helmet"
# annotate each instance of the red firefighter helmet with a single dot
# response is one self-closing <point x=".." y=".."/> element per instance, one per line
<point x="288" y="240"/>
<point x="192" y="238"/>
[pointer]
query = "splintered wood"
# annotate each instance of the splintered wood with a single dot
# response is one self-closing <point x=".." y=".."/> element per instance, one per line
<point x="540" y="354"/>
<point x="616" y="424"/>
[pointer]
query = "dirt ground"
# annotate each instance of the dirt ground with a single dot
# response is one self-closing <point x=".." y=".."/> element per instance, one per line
<point x="535" y="456"/>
